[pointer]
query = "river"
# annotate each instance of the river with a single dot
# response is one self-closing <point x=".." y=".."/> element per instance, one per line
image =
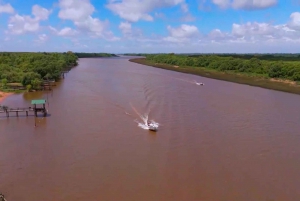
<point x="218" y="142"/>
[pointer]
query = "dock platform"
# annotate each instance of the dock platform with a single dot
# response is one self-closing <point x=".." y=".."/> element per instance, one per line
<point x="35" y="109"/>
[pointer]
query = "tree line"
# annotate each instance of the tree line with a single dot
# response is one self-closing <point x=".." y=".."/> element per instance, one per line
<point x="91" y="55"/>
<point x="267" y="57"/>
<point x="30" y="69"/>
<point x="283" y="69"/>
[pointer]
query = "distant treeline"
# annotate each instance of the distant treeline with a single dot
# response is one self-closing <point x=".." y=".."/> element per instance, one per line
<point x="270" y="66"/>
<point x="268" y="57"/>
<point x="135" y="54"/>
<point x="91" y="55"/>
<point x="30" y="69"/>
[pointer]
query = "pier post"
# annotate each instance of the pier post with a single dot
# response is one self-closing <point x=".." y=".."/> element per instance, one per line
<point x="17" y="113"/>
<point x="27" y="113"/>
<point x="35" y="111"/>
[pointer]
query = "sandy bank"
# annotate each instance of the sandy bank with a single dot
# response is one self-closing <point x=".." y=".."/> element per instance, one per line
<point x="4" y="95"/>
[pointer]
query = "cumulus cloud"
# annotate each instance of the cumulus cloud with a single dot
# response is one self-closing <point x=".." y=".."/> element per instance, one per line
<point x="42" y="38"/>
<point x="131" y="33"/>
<point x="135" y="10"/>
<point x="255" y="32"/>
<point x="217" y="35"/>
<point x="125" y="28"/>
<point x="21" y="24"/>
<point x="80" y="12"/>
<point x="40" y="13"/>
<point x="66" y="31"/>
<point x="250" y="32"/>
<point x="6" y="8"/>
<point x="222" y="3"/>
<point x="294" y="22"/>
<point x="252" y="29"/>
<point x="75" y="10"/>
<point x="182" y="33"/>
<point x="245" y="4"/>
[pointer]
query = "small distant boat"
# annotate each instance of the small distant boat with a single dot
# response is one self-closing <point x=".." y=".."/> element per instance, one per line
<point x="199" y="83"/>
<point x="152" y="127"/>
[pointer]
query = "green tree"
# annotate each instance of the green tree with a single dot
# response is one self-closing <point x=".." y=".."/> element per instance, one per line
<point x="4" y="83"/>
<point x="36" y="83"/>
<point x="28" y="87"/>
<point x="28" y="77"/>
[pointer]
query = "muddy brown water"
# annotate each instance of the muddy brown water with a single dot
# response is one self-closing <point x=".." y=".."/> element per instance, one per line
<point x="217" y="142"/>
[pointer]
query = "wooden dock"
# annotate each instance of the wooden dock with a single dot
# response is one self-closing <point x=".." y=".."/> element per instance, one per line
<point x="47" y="85"/>
<point x="35" y="109"/>
<point x="17" y="111"/>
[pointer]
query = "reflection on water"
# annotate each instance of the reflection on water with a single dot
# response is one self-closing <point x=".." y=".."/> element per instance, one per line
<point x="220" y="141"/>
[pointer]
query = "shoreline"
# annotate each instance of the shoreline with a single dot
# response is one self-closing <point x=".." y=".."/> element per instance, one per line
<point x="273" y="84"/>
<point x="4" y="95"/>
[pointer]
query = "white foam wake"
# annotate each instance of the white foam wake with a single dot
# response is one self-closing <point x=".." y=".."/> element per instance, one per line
<point x="145" y="121"/>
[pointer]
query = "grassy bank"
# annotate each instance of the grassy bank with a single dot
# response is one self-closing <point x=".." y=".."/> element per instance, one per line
<point x="255" y="80"/>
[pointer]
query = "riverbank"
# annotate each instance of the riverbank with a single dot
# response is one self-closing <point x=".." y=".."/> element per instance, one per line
<point x="274" y="84"/>
<point x="4" y="95"/>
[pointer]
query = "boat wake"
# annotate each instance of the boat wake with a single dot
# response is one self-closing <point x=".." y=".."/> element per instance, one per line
<point x="146" y="124"/>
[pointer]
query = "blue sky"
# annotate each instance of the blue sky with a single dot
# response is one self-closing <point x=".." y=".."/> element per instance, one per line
<point x="151" y="26"/>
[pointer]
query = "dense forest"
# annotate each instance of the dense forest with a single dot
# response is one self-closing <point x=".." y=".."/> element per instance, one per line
<point x="90" y="55"/>
<point x="267" y="57"/>
<point x="30" y="69"/>
<point x="269" y="66"/>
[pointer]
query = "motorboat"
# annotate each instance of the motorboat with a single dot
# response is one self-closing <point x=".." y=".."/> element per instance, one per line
<point x="152" y="126"/>
<point x="199" y="83"/>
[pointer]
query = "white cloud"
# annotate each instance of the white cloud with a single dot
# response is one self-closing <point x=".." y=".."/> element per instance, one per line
<point x="135" y="10"/>
<point x="218" y="35"/>
<point x="125" y="28"/>
<point x="75" y="10"/>
<point x="6" y="8"/>
<point x="80" y="12"/>
<point x="66" y="31"/>
<point x="245" y="4"/>
<point x="294" y="22"/>
<point x="222" y="3"/>
<point x="252" y="29"/>
<point x="182" y="33"/>
<point x="93" y="25"/>
<point x="130" y="33"/>
<point x="21" y="24"/>
<point x="42" y="38"/>
<point x="40" y="13"/>
<point x="255" y="32"/>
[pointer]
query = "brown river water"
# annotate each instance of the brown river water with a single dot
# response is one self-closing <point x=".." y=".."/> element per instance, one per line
<point x="218" y="142"/>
